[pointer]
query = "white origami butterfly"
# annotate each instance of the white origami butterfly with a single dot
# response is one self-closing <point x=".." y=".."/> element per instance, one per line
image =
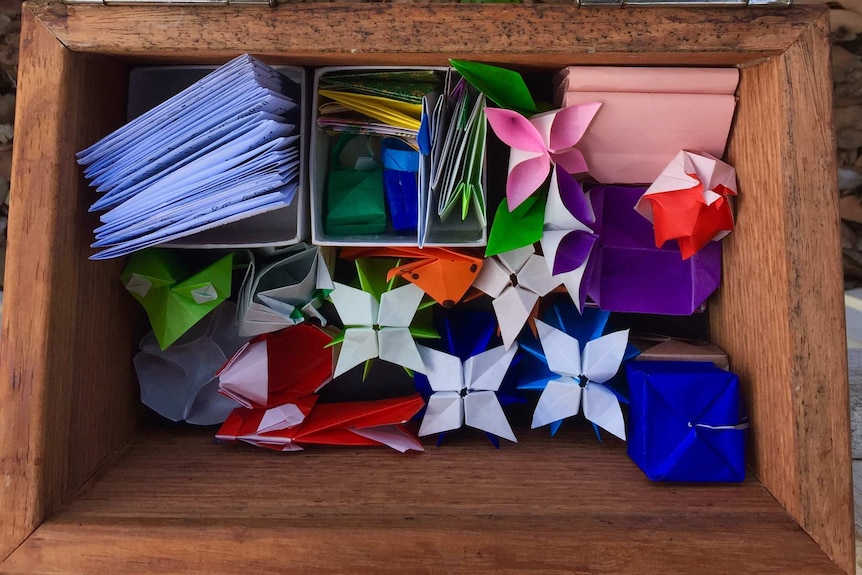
<point x="581" y="379"/>
<point x="466" y="393"/>
<point x="373" y="329"/>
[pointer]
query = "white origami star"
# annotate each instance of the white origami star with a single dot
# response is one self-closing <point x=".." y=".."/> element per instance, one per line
<point x="581" y="381"/>
<point x="373" y="329"/>
<point x="516" y="280"/>
<point x="466" y="393"/>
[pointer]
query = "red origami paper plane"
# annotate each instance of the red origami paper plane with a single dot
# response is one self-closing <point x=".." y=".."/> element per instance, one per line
<point x="443" y="274"/>
<point x="276" y="368"/>
<point x="690" y="202"/>
<point x="359" y="423"/>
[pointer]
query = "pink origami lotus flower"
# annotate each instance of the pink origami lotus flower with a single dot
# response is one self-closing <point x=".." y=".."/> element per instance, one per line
<point x="537" y="143"/>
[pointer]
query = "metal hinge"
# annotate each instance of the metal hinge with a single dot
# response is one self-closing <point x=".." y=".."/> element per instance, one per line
<point x="585" y="3"/>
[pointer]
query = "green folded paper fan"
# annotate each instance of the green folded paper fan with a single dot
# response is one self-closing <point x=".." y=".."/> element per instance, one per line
<point x="173" y="304"/>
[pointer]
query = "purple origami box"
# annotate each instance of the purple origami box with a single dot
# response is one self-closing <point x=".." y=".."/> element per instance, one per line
<point x="631" y="274"/>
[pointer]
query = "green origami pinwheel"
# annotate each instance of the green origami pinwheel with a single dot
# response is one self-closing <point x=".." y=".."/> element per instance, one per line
<point x="173" y="304"/>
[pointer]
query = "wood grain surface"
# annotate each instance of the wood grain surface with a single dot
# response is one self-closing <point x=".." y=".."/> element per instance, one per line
<point x="66" y="401"/>
<point x="177" y="503"/>
<point x="779" y="313"/>
<point x="540" y="35"/>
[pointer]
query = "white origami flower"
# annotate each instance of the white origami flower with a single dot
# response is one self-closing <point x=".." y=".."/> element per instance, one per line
<point x="581" y="379"/>
<point x="466" y="393"/>
<point x="373" y="329"/>
<point x="516" y="280"/>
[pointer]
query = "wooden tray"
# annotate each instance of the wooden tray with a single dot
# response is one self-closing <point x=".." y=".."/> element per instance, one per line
<point x="85" y="486"/>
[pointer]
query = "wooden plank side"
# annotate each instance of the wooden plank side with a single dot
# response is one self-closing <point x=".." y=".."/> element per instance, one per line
<point x="539" y="35"/>
<point x="177" y="503"/>
<point x="780" y="313"/>
<point x="32" y="470"/>
<point x="66" y="402"/>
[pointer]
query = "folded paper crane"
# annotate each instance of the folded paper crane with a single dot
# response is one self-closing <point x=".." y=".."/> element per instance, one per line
<point x="278" y="368"/>
<point x="690" y="201"/>
<point x="686" y="421"/>
<point x="180" y="382"/>
<point x="444" y="274"/>
<point x="174" y="299"/>
<point x="538" y="143"/>
<point x="516" y="280"/>
<point x="284" y="291"/>
<point x="291" y="427"/>
<point x="580" y="379"/>
<point x="568" y="240"/>
<point x="377" y="322"/>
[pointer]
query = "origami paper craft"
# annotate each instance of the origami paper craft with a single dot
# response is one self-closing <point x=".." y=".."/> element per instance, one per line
<point x="278" y="368"/>
<point x="517" y="228"/>
<point x="664" y="348"/>
<point x="686" y="422"/>
<point x="404" y="85"/>
<point x="354" y="199"/>
<point x="538" y="143"/>
<point x="649" y="114"/>
<point x="400" y="172"/>
<point x="180" y="383"/>
<point x="516" y="280"/>
<point x="174" y="299"/>
<point x="287" y="289"/>
<point x="264" y="427"/>
<point x="465" y="392"/>
<point x="223" y="150"/>
<point x="690" y="201"/>
<point x="360" y="423"/>
<point x="580" y="379"/>
<point x="463" y="161"/>
<point x="443" y="274"/>
<point x="387" y="110"/>
<point x="506" y="88"/>
<point x="568" y="241"/>
<point x="377" y="322"/>
<point x="631" y="274"/>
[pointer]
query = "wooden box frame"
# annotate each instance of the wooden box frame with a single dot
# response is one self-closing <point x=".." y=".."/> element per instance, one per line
<point x="84" y="487"/>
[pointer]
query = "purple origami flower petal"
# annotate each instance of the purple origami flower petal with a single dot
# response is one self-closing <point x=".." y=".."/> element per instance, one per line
<point x="573" y="251"/>
<point x="574" y="198"/>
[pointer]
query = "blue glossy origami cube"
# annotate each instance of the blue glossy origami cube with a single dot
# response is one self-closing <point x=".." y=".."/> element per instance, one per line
<point x="686" y="422"/>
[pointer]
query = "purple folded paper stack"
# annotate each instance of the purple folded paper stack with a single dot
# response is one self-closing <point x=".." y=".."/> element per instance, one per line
<point x="631" y="274"/>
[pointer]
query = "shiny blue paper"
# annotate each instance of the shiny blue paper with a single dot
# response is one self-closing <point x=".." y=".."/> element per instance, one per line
<point x="400" y="167"/>
<point x="685" y="422"/>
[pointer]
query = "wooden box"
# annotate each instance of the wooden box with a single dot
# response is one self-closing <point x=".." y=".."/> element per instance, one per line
<point x="86" y="485"/>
